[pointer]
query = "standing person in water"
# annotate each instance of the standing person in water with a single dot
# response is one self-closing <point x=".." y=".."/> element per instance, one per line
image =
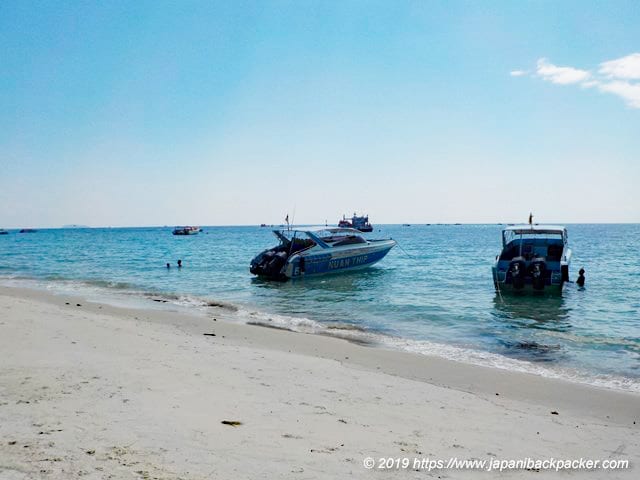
<point x="179" y="263"/>
<point x="168" y="265"/>
<point x="580" y="280"/>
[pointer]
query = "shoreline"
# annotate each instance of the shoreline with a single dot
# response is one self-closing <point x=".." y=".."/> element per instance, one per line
<point x="129" y="297"/>
<point x="98" y="378"/>
<point x="477" y="379"/>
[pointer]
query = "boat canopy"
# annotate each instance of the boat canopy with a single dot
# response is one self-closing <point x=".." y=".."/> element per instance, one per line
<point x="317" y="234"/>
<point x="530" y="231"/>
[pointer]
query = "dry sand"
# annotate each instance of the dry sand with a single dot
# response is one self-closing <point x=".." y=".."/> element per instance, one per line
<point x="96" y="391"/>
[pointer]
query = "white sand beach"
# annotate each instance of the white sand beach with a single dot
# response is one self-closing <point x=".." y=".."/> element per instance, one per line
<point x="94" y="391"/>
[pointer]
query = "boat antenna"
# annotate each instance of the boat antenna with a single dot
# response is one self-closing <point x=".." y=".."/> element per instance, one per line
<point x="293" y="217"/>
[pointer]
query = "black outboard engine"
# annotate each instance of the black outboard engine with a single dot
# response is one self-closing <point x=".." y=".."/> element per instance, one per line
<point x="538" y="271"/>
<point x="275" y="264"/>
<point x="269" y="263"/>
<point x="516" y="273"/>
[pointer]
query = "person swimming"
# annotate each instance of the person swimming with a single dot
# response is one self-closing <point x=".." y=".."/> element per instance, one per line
<point x="581" y="279"/>
<point x="168" y="265"/>
<point x="179" y="263"/>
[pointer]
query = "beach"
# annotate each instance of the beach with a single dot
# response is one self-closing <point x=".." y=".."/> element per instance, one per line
<point x="96" y="391"/>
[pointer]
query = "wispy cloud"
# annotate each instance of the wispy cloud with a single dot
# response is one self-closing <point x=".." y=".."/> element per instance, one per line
<point x="628" y="91"/>
<point x="615" y="77"/>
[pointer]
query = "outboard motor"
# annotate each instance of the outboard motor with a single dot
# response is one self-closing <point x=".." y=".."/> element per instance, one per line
<point x="269" y="264"/>
<point x="259" y="262"/>
<point x="275" y="264"/>
<point x="516" y="272"/>
<point x="538" y="270"/>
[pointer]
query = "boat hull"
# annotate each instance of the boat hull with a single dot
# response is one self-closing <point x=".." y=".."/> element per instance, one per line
<point x="323" y="263"/>
<point x="186" y="231"/>
<point x="553" y="284"/>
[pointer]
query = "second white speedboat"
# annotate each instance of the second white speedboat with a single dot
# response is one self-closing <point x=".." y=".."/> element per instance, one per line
<point x="533" y="257"/>
<point x="318" y="250"/>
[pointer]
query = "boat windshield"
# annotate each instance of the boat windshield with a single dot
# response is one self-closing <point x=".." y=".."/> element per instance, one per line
<point x="325" y="237"/>
<point x="509" y="236"/>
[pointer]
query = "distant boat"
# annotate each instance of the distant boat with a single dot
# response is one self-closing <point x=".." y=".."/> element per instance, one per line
<point x="3" y="232"/>
<point x="533" y="257"/>
<point x="318" y="250"/>
<point x="359" y="223"/>
<point x="28" y="230"/>
<point x="186" y="230"/>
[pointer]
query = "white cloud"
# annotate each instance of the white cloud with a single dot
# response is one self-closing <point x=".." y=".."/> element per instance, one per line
<point x="629" y="92"/>
<point x="560" y="75"/>
<point x="622" y="68"/>
<point x="614" y="76"/>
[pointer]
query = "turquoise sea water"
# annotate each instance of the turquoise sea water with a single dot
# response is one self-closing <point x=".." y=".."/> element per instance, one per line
<point x="434" y="295"/>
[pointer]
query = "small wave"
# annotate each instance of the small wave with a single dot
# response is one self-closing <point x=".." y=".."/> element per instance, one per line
<point x="165" y="296"/>
<point x="494" y="360"/>
<point x="110" y="284"/>
<point x="345" y="326"/>
<point x="295" y="324"/>
<point x="268" y="325"/>
<point x="224" y="305"/>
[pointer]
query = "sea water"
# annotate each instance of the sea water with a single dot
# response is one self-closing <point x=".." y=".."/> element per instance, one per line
<point x="433" y="294"/>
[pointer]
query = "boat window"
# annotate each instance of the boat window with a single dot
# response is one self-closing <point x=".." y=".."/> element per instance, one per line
<point x="301" y="243"/>
<point x="510" y="235"/>
<point x="350" y="240"/>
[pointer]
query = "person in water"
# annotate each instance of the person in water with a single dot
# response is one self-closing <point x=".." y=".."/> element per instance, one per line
<point x="580" y="280"/>
<point x="179" y="263"/>
<point x="168" y="265"/>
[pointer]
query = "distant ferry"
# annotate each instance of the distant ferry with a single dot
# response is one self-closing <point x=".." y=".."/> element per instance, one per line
<point x="186" y="230"/>
<point x="359" y="223"/>
<point x="28" y="230"/>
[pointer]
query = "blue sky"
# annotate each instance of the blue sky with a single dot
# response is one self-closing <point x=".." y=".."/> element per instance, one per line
<point x="153" y="113"/>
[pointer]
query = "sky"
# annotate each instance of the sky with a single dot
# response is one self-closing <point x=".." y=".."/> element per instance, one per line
<point x="241" y="112"/>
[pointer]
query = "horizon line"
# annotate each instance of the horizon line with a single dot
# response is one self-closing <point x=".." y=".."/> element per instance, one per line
<point x="83" y="226"/>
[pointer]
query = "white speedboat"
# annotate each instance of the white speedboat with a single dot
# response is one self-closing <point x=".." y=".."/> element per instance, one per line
<point x="186" y="230"/>
<point x="533" y="257"/>
<point x="318" y="250"/>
